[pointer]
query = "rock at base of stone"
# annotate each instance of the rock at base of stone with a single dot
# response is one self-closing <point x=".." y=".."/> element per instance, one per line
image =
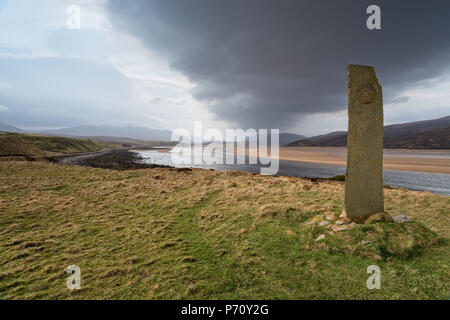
<point x="401" y="218"/>
<point x="378" y="217"/>
<point x="343" y="221"/>
<point x="324" y="223"/>
<point x="342" y="227"/>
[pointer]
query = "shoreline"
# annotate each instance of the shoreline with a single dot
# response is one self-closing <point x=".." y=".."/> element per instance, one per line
<point x="118" y="159"/>
<point x="130" y="159"/>
<point x="431" y="161"/>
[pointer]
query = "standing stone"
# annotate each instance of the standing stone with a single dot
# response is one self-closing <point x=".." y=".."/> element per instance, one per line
<point x="364" y="177"/>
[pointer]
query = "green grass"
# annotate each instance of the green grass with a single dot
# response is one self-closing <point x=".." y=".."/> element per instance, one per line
<point x="340" y="177"/>
<point x="165" y="234"/>
<point x="38" y="145"/>
<point x="14" y="144"/>
<point x="63" y="144"/>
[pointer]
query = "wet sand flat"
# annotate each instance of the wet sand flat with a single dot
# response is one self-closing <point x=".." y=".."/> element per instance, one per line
<point x="435" y="161"/>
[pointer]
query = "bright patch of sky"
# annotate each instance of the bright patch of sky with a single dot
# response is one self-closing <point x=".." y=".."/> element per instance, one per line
<point x="54" y="77"/>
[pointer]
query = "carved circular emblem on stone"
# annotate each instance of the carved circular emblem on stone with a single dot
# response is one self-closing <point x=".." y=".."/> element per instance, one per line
<point x="366" y="94"/>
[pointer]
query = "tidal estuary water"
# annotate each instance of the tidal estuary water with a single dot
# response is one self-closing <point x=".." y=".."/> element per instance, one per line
<point x="420" y="181"/>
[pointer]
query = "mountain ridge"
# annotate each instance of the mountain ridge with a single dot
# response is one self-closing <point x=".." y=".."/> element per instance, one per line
<point x="424" y="134"/>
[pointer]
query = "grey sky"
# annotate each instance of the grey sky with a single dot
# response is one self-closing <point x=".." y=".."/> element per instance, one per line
<point x="268" y="63"/>
<point x="262" y="64"/>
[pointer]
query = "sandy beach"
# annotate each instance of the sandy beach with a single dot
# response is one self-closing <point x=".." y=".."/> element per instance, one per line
<point x="435" y="161"/>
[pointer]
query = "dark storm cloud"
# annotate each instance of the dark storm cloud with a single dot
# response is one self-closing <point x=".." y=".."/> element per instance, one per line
<point x="268" y="63"/>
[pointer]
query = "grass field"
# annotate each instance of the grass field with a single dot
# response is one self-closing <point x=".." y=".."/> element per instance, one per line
<point x="64" y="145"/>
<point x="173" y="234"/>
<point x="39" y="145"/>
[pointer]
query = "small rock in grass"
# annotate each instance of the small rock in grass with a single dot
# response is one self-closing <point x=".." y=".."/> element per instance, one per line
<point x="351" y="225"/>
<point x="379" y="217"/>
<point x="321" y="237"/>
<point x="324" y="223"/>
<point x="401" y="218"/>
<point x="337" y="228"/>
<point x="312" y="221"/>
<point x="364" y="242"/>
<point x="289" y="233"/>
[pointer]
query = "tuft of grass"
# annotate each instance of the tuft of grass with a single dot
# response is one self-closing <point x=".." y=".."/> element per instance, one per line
<point x="200" y="234"/>
<point x="379" y="241"/>
<point x="340" y="177"/>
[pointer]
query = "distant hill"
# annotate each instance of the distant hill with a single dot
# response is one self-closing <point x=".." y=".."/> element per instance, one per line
<point x="140" y="133"/>
<point x="17" y="144"/>
<point x="116" y="132"/>
<point x="8" y="128"/>
<point x="410" y="128"/>
<point x="333" y="139"/>
<point x="430" y="139"/>
<point x="285" y="138"/>
<point x="129" y="142"/>
<point x="429" y="134"/>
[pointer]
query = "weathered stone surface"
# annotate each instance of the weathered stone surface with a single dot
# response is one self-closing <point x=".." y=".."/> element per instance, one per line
<point x="401" y="218"/>
<point x="379" y="217"/>
<point x="364" y="176"/>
